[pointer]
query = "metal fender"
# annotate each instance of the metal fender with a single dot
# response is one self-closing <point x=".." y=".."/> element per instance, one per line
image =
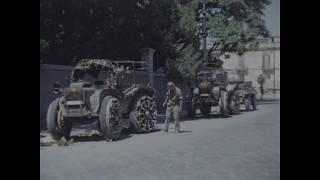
<point x="137" y="90"/>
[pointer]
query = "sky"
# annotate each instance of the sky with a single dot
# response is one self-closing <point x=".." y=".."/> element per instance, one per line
<point x="272" y="17"/>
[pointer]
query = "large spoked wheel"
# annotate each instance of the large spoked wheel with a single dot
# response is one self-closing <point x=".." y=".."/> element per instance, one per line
<point x="110" y="118"/>
<point x="234" y="104"/>
<point x="57" y="125"/>
<point x="144" y="114"/>
<point x="224" y="104"/>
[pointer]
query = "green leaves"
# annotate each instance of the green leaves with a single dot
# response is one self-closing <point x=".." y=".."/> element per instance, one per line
<point x="188" y="60"/>
<point x="233" y="28"/>
<point x="44" y="47"/>
<point x="115" y="28"/>
<point x="75" y="29"/>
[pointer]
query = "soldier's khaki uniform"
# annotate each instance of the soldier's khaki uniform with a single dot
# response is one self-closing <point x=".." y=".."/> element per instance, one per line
<point x="173" y="108"/>
<point x="261" y="81"/>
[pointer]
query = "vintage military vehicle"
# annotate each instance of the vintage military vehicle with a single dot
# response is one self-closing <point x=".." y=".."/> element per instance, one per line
<point x="107" y="101"/>
<point x="243" y="95"/>
<point x="210" y="91"/>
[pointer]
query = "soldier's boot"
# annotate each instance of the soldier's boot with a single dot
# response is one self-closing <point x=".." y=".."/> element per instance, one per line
<point x="177" y="127"/>
<point x="177" y="119"/>
<point x="166" y="126"/>
<point x="167" y="121"/>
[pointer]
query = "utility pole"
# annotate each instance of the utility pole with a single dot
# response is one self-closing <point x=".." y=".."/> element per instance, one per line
<point x="204" y="31"/>
<point x="274" y="66"/>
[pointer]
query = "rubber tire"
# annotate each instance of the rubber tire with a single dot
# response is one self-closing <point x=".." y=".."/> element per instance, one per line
<point x="233" y="110"/>
<point x="205" y="110"/>
<point x="135" y="127"/>
<point x="224" y="104"/>
<point x="104" y="122"/>
<point x="248" y="103"/>
<point x="52" y="123"/>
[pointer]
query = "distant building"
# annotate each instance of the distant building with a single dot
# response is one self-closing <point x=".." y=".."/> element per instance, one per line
<point x="264" y="60"/>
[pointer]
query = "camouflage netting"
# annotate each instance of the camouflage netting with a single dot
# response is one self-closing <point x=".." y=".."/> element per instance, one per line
<point x="92" y="67"/>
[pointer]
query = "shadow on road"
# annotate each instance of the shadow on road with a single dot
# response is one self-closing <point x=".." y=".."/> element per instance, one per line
<point x="269" y="101"/>
<point x="131" y="131"/>
<point x="96" y="137"/>
<point x="87" y="137"/>
<point x="200" y="117"/>
<point x="185" y="131"/>
<point x="124" y="136"/>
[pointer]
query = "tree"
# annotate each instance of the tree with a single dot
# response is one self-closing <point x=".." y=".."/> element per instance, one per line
<point x="117" y="29"/>
<point x="233" y="25"/>
<point x="44" y="47"/>
<point x="112" y="29"/>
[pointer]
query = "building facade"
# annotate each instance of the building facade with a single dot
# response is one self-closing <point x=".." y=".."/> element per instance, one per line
<point x="264" y="60"/>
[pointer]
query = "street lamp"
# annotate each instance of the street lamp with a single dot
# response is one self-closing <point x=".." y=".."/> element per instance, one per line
<point x="204" y="13"/>
<point x="203" y="16"/>
<point x="274" y="66"/>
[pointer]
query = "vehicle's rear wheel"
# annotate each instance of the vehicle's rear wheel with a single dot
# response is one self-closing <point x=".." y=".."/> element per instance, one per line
<point x="57" y="125"/>
<point x="224" y="104"/>
<point x="234" y="104"/>
<point x="109" y="118"/>
<point x="205" y="110"/>
<point x="144" y="114"/>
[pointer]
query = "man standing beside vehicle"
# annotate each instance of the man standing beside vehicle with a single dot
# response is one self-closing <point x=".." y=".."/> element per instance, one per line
<point x="261" y="81"/>
<point x="173" y="105"/>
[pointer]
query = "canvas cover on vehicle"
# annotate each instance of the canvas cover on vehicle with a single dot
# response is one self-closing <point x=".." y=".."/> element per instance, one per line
<point x="93" y="67"/>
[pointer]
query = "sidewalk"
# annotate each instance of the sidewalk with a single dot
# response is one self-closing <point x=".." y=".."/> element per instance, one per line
<point x="268" y="97"/>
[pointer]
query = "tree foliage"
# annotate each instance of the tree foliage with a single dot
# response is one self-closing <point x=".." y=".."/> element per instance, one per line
<point x="44" y="47"/>
<point x="75" y="29"/>
<point x="233" y="25"/>
<point x="98" y="28"/>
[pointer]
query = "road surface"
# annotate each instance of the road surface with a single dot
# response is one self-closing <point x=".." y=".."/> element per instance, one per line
<point x="243" y="147"/>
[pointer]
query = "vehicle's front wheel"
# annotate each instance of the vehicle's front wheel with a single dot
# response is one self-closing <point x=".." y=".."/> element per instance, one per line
<point x="205" y="110"/>
<point x="144" y="114"/>
<point x="248" y="103"/>
<point x="57" y="125"/>
<point x="110" y="118"/>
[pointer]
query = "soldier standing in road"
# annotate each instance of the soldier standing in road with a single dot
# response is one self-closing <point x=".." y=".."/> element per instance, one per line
<point x="261" y="81"/>
<point x="173" y="105"/>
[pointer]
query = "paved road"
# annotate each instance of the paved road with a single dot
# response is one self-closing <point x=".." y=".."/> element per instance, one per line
<point x="244" y="147"/>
